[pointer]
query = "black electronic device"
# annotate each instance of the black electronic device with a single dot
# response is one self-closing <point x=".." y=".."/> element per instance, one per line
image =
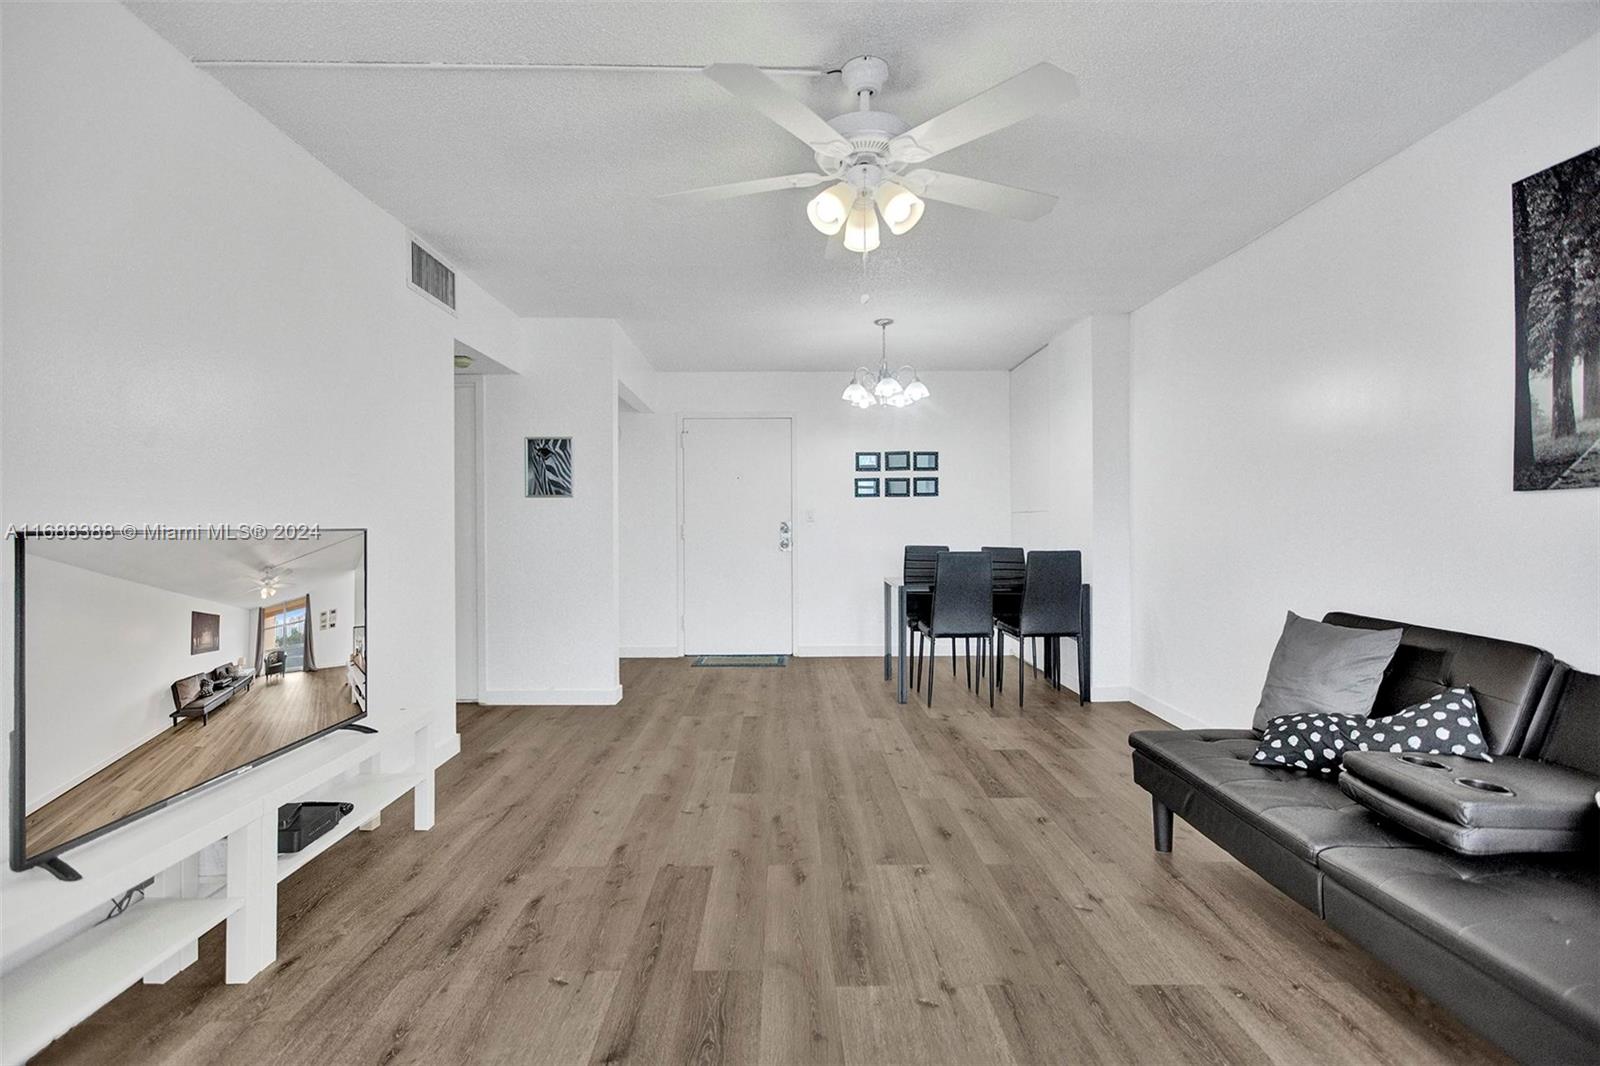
<point x="301" y="823"/>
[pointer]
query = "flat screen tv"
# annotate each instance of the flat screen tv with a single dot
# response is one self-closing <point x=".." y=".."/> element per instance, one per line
<point x="153" y="663"/>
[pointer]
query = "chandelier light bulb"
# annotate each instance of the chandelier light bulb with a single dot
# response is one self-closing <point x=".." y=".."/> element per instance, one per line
<point x="901" y="208"/>
<point x="887" y="386"/>
<point x="830" y="207"/>
<point x="916" y="390"/>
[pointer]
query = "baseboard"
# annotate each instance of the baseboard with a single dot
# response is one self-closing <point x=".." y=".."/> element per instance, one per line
<point x="554" y="697"/>
<point x="651" y="651"/>
<point x="1164" y="711"/>
<point x="32" y="804"/>
<point x="1112" y="694"/>
<point x="838" y="651"/>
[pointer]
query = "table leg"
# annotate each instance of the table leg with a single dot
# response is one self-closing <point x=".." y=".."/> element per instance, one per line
<point x="902" y="620"/>
<point x="888" y="624"/>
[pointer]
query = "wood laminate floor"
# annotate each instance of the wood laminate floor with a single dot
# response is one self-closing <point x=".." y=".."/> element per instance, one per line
<point x="785" y="866"/>
<point x="272" y="714"/>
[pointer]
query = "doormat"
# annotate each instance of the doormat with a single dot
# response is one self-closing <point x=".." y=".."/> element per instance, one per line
<point x="741" y="660"/>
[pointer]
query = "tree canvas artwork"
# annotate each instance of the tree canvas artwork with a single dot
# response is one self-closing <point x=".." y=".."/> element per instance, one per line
<point x="1556" y="248"/>
<point x="205" y="632"/>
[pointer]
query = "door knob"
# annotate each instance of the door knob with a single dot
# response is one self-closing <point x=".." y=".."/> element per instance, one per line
<point x="783" y="528"/>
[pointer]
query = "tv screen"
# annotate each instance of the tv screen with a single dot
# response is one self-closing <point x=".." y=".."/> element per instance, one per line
<point x="152" y="663"/>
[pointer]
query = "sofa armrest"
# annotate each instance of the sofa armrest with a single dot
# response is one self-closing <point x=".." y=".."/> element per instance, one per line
<point x="1478" y="808"/>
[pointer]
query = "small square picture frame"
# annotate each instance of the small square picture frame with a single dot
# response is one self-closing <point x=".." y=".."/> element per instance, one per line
<point x="897" y="486"/>
<point x="869" y="461"/>
<point x="866" y="486"/>
<point x="925" y="486"/>
<point x="897" y="460"/>
<point x="924" y="461"/>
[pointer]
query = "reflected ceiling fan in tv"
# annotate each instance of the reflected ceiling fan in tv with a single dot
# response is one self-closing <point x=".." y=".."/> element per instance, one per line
<point x="119" y="712"/>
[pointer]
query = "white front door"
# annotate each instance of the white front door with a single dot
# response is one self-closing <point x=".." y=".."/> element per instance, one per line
<point x="738" y="558"/>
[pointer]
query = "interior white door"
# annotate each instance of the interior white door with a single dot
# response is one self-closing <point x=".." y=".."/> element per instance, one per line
<point x="466" y="454"/>
<point x="738" y="540"/>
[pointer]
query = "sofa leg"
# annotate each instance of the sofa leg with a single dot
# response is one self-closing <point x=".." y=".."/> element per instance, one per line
<point x="1161" y="816"/>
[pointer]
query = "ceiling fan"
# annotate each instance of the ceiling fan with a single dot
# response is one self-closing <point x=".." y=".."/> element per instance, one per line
<point x="270" y="583"/>
<point x="872" y="156"/>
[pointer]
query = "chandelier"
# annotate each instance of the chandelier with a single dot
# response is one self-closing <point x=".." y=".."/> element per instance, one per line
<point x="884" y="389"/>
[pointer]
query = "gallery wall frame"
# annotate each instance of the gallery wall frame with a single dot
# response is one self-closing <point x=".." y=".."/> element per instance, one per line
<point x="925" y="486"/>
<point x="869" y="461"/>
<point x="897" y="460"/>
<point x="897" y="486"/>
<point x="866" y="486"/>
<point x="924" y="460"/>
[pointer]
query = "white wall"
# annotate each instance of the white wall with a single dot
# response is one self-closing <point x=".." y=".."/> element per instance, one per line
<point x="1324" y="421"/>
<point x="1069" y="477"/>
<point x="103" y="653"/>
<point x="204" y="324"/>
<point x="330" y="648"/>
<point x="843" y="546"/>
<point x="550" y="579"/>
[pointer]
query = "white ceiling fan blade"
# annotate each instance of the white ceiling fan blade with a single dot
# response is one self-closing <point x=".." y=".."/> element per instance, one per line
<point x="1035" y="90"/>
<point x="755" y="88"/>
<point x="980" y="195"/>
<point x="744" y="188"/>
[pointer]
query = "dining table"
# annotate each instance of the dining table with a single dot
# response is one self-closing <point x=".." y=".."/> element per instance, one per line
<point x="895" y="590"/>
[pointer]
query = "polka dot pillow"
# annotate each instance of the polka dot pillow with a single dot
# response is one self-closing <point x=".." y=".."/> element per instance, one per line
<point x="1309" y="741"/>
<point x="1445" y="723"/>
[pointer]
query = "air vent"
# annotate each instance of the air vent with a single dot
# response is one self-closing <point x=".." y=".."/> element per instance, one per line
<point x="431" y="277"/>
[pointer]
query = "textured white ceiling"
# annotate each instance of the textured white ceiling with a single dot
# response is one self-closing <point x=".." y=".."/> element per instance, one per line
<point x="1199" y="127"/>
<point x="223" y="571"/>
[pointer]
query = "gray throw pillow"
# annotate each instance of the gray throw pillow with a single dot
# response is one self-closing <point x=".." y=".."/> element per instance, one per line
<point x="1322" y="669"/>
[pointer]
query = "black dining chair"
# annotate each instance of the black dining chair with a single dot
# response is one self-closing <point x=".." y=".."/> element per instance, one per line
<point x="920" y="568"/>
<point x="1008" y="570"/>
<point x="963" y="607"/>
<point x="1055" y="604"/>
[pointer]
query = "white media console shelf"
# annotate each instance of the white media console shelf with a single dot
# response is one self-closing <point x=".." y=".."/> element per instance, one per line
<point x="50" y="984"/>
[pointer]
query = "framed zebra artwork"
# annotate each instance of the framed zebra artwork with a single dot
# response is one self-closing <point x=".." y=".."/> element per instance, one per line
<point x="549" y="466"/>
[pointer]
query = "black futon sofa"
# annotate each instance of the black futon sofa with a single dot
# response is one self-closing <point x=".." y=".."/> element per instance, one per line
<point x="1509" y="942"/>
<point x="226" y="683"/>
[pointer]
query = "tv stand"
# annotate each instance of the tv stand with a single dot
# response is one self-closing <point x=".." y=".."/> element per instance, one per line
<point x="357" y="727"/>
<point x="51" y="982"/>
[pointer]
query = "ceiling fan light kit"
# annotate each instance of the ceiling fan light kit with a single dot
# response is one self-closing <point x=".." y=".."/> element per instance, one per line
<point x="270" y="583"/>
<point x="867" y="153"/>
<point x="883" y="389"/>
<point x="830" y="207"/>
<point x="861" y="229"/>
<point x="900" y="207"/>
